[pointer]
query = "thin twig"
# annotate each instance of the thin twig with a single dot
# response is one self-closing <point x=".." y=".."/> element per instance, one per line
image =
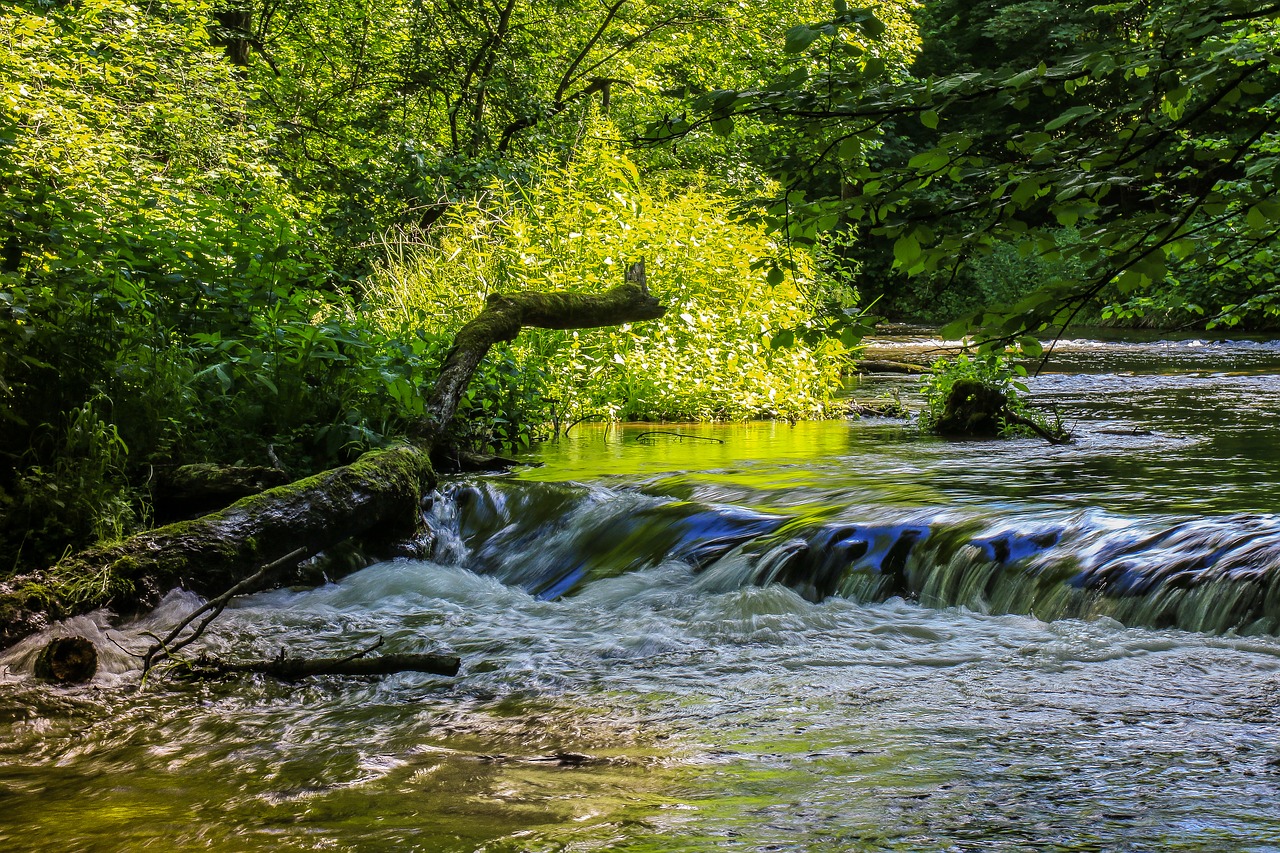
<point x="362" y="652"/>
<point x="216" y="605"/>
<point x="681" y="435"/>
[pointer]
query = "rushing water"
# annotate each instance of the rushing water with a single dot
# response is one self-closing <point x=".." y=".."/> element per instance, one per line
<point x="835" y="636"/>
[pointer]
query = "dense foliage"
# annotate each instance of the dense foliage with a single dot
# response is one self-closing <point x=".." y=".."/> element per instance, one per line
<point x="1149" y="128"/>
<point x="193" y="197"/>
<point x="244" y="231"/>
<point x="709" y="358"/>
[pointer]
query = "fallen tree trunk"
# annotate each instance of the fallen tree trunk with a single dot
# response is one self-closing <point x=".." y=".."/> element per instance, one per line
<point x="891" y="367"/>
<point x="377" y="497"/>
<point x="505" y="315"/>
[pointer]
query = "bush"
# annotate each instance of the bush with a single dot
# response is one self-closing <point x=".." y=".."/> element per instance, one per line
<point x="990" y="386"/>
<point x="577" y="228"/>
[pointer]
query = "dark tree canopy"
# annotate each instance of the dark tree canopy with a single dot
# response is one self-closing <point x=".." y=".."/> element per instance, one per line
<point x="1148" y="128"/>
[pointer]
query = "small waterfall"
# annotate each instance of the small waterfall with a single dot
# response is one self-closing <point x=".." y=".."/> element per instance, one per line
<point x="1210" y="575"/>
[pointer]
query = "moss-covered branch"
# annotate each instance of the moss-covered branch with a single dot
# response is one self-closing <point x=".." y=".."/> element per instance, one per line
<point x="503" y="317"/>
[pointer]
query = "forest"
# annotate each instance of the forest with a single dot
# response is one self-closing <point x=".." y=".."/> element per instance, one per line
<point x="639" y="425"/>
<point x="245" y="234"/>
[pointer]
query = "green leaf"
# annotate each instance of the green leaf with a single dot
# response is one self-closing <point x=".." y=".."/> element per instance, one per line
<point x="800" y="37"/>
<point x="871" y="25"/>
<point x="1068" y="116"/>
<point x="784" y="338"/>
<point x="906" y="250"/>
<point x="929" y="119"/>
<point x="1025" y="192"/>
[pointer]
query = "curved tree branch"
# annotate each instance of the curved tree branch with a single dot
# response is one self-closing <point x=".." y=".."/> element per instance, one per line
<point x="505" y="315"/>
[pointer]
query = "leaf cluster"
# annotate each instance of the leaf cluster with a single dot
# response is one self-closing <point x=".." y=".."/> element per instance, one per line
<point x="1154" y="135"/>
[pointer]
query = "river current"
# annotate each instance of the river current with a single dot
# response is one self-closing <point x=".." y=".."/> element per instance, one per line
<point x="829" y="636"/>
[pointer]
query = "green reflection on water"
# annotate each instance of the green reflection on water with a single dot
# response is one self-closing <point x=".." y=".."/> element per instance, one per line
<point x="453" y="792"/>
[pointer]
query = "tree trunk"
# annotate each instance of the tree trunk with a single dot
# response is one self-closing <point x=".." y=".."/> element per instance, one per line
<point x="503" y="317"/>
<point x="378" y="496"/>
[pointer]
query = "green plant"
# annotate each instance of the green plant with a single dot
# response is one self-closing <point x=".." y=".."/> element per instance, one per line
<point x="577" y="227"/>
<point x="995" y="379"/>
<point x="81" y="497"/>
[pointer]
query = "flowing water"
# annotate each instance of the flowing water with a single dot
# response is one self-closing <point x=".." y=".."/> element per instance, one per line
<point x="832" y="636"/>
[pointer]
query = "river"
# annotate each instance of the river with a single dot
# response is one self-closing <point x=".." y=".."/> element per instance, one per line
<point x="760" y="637"/>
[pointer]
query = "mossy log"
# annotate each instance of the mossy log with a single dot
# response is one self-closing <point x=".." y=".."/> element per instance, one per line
<point x="193" y="490"/>
<point x="379" y="496"/>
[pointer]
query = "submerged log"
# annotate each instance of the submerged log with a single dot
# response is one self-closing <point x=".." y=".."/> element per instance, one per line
<point x="377" y="497"/>
<point x="292" y="669"/>
<point x="67" y="660"/>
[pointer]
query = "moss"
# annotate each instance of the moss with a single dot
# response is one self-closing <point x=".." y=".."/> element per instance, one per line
<point x="376" y="497"/>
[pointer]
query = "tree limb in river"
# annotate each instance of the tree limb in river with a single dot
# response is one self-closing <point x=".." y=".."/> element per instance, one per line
<point x="378" y="497"/>
<point x="292" y="669"/>
<point x="166" y="647"/>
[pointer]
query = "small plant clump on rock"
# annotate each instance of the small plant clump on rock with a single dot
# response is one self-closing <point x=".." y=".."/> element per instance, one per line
<point x="980" y="397"/>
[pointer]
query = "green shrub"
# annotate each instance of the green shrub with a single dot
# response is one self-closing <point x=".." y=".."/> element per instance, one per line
<point x="993" y="374"/>
<point x="577" y="228"/>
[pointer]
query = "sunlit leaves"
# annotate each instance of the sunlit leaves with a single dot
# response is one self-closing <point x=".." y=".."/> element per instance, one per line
<point x="731" y="345"/>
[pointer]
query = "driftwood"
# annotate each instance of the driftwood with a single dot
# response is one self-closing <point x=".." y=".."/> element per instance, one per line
<point x="878" y="409"/>
<point x="652" y="435"/>
<point x="168" y="645"/>
<point x="891" y="367"/>
<point x="377" y="498"/>
<point x="292" y="669"/>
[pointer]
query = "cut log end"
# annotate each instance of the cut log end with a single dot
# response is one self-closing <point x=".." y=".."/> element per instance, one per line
<point x="67" y="660"/>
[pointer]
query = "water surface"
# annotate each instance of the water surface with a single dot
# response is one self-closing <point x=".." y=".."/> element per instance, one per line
<point x="837" y="636"/>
